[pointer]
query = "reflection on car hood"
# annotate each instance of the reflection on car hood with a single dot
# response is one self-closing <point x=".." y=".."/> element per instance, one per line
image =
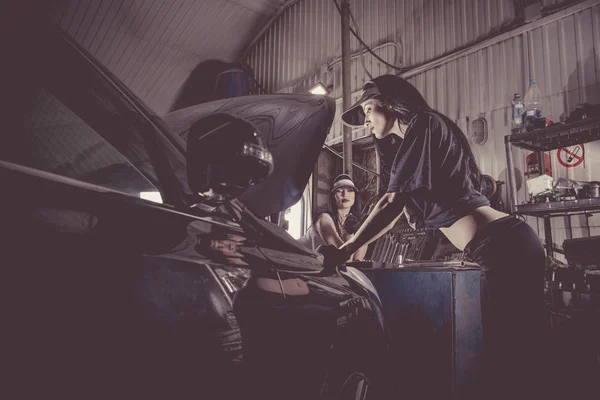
<point x="294" y="127"/>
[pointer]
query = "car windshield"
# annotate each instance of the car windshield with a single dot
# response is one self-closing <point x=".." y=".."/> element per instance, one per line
<point x="72" y="121"/>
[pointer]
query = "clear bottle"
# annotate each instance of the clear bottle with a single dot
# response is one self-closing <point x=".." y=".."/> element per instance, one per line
<point x="517" y="108"/>
<point x="532" y="100"/>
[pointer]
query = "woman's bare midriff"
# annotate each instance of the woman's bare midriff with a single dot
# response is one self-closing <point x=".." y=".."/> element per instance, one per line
<point x="291" y="287"/>
<point x="464" y="230"/>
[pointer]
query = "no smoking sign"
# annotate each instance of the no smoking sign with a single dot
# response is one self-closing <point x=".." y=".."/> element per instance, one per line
<point x="571" y="156"/>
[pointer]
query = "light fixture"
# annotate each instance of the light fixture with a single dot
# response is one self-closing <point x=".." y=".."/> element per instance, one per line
<point x="319" y="88"/>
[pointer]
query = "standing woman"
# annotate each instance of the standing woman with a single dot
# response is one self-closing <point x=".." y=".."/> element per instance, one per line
<point x="435" y="182"/>
<point x="338" y="225"/>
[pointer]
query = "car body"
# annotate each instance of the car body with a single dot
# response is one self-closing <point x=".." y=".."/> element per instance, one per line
<point x="115" y="295"/>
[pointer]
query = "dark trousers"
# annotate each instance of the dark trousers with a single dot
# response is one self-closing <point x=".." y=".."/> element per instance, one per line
<point x="513" y="262"/>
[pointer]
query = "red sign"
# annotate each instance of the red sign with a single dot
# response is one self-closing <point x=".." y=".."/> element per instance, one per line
<point x="571" y="156"/>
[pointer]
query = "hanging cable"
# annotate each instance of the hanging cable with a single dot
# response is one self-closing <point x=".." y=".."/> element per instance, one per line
<point x="362" y="58"/>
<point x="365" y="45"/>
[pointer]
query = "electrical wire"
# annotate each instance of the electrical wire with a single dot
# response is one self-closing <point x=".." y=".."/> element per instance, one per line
<point x="362" y="58"/>
<point x="356" y="34"/>
<point x="365" y="45"/>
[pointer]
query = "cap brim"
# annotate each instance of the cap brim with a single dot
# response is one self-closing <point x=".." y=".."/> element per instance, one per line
<point x="355" y="116"/>
<point x="347" y="183"/>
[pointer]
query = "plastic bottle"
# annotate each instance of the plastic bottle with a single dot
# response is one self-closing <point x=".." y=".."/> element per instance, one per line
<point x="517" y="107"/>
<point x="532" y="100"/>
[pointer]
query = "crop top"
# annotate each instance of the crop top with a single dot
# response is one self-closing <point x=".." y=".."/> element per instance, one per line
<point x="429" y="172"/>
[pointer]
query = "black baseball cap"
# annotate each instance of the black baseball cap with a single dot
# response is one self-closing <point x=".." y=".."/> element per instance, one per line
<point x="355" y="116"/>
<point x="384" y="85"/>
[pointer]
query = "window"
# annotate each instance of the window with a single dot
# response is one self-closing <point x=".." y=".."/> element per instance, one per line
<point x="294" y="217"/>
<point x="298" y="215"/>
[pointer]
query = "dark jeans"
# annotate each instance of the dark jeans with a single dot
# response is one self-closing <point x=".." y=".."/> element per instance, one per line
<point x="513" y="261"/>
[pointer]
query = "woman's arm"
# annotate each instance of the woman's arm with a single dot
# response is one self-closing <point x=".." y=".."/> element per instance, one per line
<point x="359" y="254"/>
<point x="325" y="227"/>
<point x="383" y="217"/>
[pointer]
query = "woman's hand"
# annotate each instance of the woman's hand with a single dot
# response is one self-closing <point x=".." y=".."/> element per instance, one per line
<point x="334" y="257"/>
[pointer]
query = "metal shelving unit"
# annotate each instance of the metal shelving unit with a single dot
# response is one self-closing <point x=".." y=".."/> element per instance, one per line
<point x="541" y="140"/>
<point x="559" y="208"/>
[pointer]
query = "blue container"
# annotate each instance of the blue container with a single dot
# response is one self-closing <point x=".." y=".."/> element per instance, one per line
<point x="232" y="82"/>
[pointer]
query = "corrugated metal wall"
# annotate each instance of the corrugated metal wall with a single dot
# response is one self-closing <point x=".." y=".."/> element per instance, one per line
<point x="563" y="57"/>
<point x="298" y="49"/>
<point x="307" y="36"/>
<point x="304" y="47"/>
<point x="563" y="54"/>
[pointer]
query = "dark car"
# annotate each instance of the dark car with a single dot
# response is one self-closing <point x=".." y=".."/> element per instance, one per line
<point x="120" y="279"/>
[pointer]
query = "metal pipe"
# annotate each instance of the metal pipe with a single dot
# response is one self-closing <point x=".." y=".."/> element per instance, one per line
<point x="361" y="52"/>
<point x="510" y="174"/>
<point x="541" y="163"/>
<point x="346" y="89"/>
<point x="353" y="163"/>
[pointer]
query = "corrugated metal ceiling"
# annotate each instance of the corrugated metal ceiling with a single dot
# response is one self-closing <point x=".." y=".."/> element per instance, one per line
<point x="153" y="45"/>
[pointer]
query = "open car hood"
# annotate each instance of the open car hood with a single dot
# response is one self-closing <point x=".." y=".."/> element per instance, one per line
<point x="293" y="126"/>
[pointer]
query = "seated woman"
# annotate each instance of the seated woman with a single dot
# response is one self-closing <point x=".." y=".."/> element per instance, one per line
<point x="332" y="227"/>
<point x="338" y="225"/>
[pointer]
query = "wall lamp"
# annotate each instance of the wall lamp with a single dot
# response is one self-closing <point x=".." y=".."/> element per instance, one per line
<point x="319" y="88"/>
